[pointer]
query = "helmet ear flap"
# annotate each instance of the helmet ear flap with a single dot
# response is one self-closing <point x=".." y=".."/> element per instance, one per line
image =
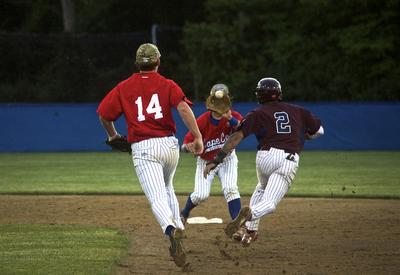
<point x="268" y="89"/>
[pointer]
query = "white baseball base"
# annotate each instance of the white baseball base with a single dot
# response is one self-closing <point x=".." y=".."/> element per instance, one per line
<point x="203" y="220"/>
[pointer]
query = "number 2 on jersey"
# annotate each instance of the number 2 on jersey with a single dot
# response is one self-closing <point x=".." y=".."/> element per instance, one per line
<point x="154" y="107"/>
<point x="282" y="123"/>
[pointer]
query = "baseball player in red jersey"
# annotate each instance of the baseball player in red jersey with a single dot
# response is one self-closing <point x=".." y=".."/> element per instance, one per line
<point x="280" y="129"/>
<point x="215" y="127"/>
<point x="146" y="100"/>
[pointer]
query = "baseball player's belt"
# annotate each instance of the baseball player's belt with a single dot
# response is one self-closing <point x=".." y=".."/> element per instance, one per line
<point x="267" y="147"/>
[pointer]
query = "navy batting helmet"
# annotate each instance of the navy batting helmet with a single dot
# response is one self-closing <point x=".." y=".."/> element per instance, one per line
<point x="268" y="89"/>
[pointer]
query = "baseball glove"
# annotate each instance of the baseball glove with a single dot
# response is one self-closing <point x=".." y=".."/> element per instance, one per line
<point x="219" y="99"/>
<point x="120" y="144"/>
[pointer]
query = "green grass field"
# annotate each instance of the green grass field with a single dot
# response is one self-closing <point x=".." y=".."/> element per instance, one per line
<point x="50" y="249"/>
<point x="321" y="173"/>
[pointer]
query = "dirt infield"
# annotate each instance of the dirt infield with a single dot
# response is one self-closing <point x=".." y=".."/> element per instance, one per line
<point x="304" y="236"/>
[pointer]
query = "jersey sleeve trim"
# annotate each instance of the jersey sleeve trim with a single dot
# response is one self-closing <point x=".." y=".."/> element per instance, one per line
<point x="190" y="103"/>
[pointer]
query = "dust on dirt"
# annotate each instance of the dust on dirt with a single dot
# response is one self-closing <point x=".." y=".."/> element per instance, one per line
<point x="303" y="236"/>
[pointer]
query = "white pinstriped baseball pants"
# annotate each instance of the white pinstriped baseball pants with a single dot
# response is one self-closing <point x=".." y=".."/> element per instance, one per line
<point x="227" y="174"/>
<point x="155" y="162"/>
<point x="275" y="174"/>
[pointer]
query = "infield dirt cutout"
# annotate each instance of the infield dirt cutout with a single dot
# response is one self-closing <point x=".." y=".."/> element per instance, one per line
<point x="303" y="236"/>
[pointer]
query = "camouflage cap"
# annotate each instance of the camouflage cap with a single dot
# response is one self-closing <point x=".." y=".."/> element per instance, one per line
<point x="147" y="54"/>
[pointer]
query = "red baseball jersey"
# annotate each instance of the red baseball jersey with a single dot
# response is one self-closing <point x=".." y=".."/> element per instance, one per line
<point x="214" y="132"/>
<point x="280" y="125"/>
<point x="146" y="99"/>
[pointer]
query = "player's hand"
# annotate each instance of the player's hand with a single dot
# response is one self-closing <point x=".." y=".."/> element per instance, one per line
<point x="187" y="148"/>
<point x="119" y="143"/>
<point x="210" y="166"/>
<point x="198" y="146"/>
<point x="227" y="114"/>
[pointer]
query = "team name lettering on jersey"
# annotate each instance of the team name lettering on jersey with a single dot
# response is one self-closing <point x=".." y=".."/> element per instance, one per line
<point x="217" y="143"/>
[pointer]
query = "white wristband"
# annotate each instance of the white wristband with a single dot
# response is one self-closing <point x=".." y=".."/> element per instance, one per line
<point x="320" y="132"/>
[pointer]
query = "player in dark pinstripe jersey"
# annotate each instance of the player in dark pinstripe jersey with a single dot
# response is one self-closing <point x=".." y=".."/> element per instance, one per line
<point x="280" y="129"/>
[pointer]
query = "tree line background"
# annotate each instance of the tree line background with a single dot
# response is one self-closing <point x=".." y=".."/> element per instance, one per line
<point x="320" y="50"/>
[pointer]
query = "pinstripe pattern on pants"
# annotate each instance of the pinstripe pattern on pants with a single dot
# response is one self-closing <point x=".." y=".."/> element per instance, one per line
<point x="227" y="174"/>
<point x="155" y="161"/>
<point x="275" y="174"/>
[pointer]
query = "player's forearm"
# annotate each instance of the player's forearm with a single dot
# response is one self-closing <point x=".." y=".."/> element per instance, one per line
<point x="229" y="145"/>
<point x="108" y="127"/>
<point x="189" y="119"/>
<point x="232" y="141"/>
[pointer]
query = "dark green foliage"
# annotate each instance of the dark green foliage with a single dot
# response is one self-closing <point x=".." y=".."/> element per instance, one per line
<point x="31" y="16"/>
<point x="64" y="68"/>
<point x="41" y="64"/>
<point x="318" y="49"/>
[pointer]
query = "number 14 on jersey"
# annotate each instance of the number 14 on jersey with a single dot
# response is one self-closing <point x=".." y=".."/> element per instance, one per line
<point x="153" y="107"/>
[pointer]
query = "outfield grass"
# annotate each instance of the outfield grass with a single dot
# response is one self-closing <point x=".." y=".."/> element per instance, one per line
<point x="64" y="249"/>
<point x="321" y="173"/>
<point x="49" y="249"/>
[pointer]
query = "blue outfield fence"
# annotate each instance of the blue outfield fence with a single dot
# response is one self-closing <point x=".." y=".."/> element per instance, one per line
<point x="75" y="127"/>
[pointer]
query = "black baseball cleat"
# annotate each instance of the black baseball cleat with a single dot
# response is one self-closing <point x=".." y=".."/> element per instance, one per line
<point x="176" y="249"/>
<point x="233" y="226"/>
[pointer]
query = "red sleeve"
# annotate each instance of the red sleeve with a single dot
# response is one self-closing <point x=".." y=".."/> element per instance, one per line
<point x="177" y="95"/>
<point x="188" y="138"/>
<point x="110" y="107"/>
<point x="237" y="115"/>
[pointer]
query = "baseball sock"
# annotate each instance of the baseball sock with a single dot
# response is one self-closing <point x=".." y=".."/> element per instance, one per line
<point x="188" y="207"/>
<point x="234" y="207"/>
<point x="169" y="229"/>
